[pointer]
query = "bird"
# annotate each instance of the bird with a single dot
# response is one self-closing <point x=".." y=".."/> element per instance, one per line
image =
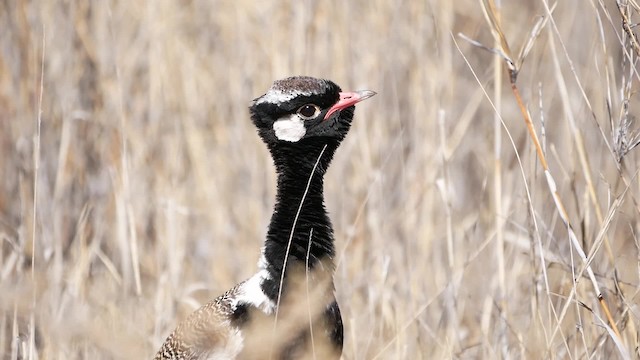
<point x="288" y="308"/>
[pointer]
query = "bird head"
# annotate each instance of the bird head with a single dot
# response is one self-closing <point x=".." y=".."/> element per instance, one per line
<point x="299" y="108"/>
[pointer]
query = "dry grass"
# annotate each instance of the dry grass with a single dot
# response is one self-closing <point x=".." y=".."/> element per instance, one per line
<point x="133" y="186"/>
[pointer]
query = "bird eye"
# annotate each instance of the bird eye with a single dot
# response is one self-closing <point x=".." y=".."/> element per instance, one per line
<point x="309" y="111"/>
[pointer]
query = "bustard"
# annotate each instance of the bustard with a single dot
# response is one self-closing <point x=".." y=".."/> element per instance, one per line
<point x="287" y="310"/>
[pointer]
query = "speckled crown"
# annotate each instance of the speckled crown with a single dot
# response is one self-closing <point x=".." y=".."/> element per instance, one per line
<point x="289" y="88"/>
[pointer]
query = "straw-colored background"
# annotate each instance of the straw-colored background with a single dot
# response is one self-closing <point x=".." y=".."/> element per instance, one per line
<point x="154" y="191"/>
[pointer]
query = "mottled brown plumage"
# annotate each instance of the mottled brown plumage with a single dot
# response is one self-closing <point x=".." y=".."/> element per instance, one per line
<point x="206" y="329"/>
<point x="218" y="330"/>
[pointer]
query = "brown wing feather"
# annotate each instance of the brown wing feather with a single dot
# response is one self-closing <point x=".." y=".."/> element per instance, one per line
<point x="205" y="329"/>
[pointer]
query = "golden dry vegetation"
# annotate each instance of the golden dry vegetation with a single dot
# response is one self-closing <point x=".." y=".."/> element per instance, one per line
<point x="133" y="186"/>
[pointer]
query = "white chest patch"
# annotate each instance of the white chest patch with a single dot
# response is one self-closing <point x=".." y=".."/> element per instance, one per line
<point x="251" y="293"/>
<point x="289" y="128"/>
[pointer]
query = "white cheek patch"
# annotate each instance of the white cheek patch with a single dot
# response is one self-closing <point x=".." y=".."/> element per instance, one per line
<point x="289" y="128"/>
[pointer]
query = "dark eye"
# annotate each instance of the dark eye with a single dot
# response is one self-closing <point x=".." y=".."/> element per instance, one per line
<point x="309" y="111"/>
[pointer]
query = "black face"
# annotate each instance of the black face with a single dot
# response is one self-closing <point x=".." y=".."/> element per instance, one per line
<point x="294" y="109"/>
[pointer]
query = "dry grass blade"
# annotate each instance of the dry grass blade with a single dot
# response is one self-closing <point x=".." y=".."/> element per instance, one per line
<point x="623" y="8"/>
<point x="531" y="39"/>
<point x="491" y="16"/>
<point x="489" y="10"/>
<point x="562" y="210"/>
<point x="635" y="5"/>
<point x="493" y="50"/>
<point x="536" y="234"/>
<point x="625" y="138"/>
<point x="32" y="351"/>
<point x="306" y="282"/>
<point x="624" y="354"/>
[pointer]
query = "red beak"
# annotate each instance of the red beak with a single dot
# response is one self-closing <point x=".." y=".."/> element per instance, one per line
<point x="349" y="99"/>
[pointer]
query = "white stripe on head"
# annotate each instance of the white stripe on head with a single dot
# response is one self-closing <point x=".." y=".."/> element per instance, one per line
<point x="289" y="128"/>
<point x="286" y="89"/>
<point x="276" y="96"/>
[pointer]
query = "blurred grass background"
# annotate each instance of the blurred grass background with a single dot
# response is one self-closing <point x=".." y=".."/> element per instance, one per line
<point x="133" y="186"/>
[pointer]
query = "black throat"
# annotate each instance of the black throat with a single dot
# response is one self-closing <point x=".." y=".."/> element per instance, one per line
<point x="299" y="223"/>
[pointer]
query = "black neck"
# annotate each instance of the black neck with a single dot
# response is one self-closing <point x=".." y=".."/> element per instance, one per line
<point x="299" y="214"/>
